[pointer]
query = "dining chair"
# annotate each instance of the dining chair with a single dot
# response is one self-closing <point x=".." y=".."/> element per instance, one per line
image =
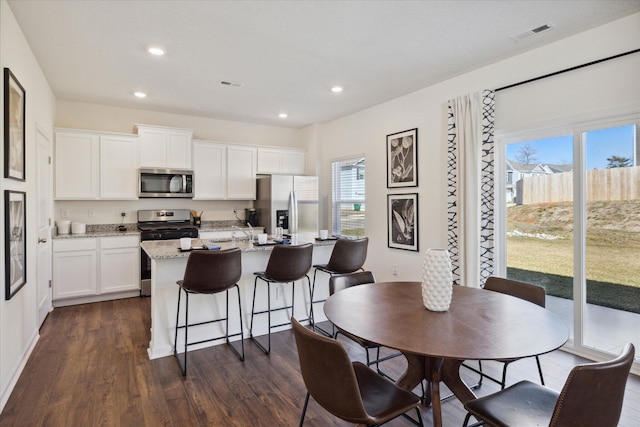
<point x="209" y="272"/>
<point x="340" y="282"/>
<point x="526" y="291"/>
<point x="347" y="256"/>
<point x="287" y="264"/>
<point x="349" y="390"/>
<point x="591" y="396"/>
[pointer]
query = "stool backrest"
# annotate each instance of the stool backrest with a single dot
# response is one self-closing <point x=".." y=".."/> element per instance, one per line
<point x="593" y="393"/>
<point x="526" y="291"/>
<point x="209" y="272"/>
<point x="289" y="263"/>
<point x="348" y="255"/>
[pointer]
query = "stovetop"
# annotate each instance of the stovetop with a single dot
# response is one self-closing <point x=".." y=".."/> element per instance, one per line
<point x="165" y="224"/>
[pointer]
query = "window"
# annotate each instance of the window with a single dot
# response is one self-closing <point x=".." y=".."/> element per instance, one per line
<point x="571" y="221"/>
<point x="348" y="200"/>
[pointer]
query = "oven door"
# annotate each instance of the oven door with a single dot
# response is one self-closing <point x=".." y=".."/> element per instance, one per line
<point x="165" y="183"/>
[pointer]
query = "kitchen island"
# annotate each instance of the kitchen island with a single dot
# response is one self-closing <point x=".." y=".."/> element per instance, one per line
<point x="168" y="263"/>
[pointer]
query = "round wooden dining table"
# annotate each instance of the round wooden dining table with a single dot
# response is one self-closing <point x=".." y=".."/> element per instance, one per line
<point x="479" y="325"/>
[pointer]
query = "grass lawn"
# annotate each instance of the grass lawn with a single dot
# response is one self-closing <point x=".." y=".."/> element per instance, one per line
<point x="612" y="257"/>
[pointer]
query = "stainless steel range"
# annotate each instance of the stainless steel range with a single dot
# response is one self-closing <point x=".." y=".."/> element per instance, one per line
<point x="161" y="225"/>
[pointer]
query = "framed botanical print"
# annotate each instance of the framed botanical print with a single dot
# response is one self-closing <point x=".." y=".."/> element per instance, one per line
<point x="402" y="221"/>
<point x="402" y="159"/>
<point x="14" y="127"/>
<point x="15" y="211"/>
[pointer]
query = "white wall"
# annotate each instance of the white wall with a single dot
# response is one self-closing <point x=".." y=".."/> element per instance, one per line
<point x="18" y="316"/>
<point x="365" y="132"/>
<point x="77" y="115"/>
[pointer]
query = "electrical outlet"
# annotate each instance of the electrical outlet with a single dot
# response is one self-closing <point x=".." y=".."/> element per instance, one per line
<point x="91" y="213"/>
<point x="394" y="269"/>
<point x="64" y="213"/>
<point x="279" y="292"/>
<point x="123" y="214"/>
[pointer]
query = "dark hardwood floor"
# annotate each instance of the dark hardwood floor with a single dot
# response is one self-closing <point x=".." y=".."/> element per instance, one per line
<point x="90" y="368"/>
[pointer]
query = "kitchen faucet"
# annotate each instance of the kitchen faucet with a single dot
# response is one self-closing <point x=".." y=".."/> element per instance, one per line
<point x="249" y="234"/>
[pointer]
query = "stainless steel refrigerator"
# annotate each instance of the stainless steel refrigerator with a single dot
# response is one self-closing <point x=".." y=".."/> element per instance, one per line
<point x="288" y="201"/>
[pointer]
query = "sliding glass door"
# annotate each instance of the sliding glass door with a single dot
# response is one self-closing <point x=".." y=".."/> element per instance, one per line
<point x="571" y="215"/>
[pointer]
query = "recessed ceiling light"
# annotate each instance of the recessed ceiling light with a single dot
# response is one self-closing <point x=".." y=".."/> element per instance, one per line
<point x="283" y="115"/>
<point x="140" y="94"/>
<point x="336" y="89"/>
<point x="157" y="51"/>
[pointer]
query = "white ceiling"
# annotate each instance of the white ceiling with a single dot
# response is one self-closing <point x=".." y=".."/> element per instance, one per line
<point x="286" y="54"/>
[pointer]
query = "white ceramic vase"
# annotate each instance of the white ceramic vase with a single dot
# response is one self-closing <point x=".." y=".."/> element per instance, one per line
<point x="437" y="281"/>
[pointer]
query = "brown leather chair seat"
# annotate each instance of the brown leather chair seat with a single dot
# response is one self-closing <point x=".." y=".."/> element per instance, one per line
<point x="209" y="272"/>
<point x="348" y="256"/>
<point x="286" y="264"/>
<point x="526" y="291"/>
<point x="349" y="390"/>
<point x="591" y="396"/>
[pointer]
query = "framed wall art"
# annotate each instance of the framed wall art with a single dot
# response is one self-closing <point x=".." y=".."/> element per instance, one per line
<point x="15" y="212"/>
<point x="14" y="127"/>
<point x="402" y="159"/>
<point x="402" y="221"/>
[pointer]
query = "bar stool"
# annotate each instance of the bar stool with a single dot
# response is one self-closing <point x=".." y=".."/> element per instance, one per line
<point x="286" y="265"/>
<point x="209" y="272"/>
<point x="348" y="256"/>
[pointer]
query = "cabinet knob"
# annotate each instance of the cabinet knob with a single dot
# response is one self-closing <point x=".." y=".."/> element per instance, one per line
<point x="41" y="240"/>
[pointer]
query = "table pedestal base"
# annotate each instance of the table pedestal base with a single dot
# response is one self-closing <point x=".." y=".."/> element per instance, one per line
<point x="434" y="370"/>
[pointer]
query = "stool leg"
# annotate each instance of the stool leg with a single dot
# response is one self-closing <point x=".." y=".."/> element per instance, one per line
<point x="239" y="354"/>
<point x="266" y="350"/>
<point x="241" y="326"/>
<point x="183" y="368"/>
<point x="311" y="319"/>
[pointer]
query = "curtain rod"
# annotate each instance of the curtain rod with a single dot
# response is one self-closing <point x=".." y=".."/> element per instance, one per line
<point x="566" y="70"/>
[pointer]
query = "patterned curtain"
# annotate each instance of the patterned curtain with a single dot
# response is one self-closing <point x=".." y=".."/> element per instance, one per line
<point x="470" y="204"/>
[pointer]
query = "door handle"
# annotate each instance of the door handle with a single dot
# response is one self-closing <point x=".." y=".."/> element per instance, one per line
<point x="41" y="240"/>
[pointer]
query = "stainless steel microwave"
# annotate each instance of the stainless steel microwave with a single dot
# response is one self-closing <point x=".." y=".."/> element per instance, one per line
<point x="165" y="183"/>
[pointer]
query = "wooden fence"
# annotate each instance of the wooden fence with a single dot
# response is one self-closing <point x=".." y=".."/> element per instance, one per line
<point x="602" y="184"/>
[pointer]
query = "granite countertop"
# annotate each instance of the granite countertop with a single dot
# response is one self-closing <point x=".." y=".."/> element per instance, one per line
<point x="111" y="230"/>
<point x="167" y="249"/>
<point x="100" y="230"/>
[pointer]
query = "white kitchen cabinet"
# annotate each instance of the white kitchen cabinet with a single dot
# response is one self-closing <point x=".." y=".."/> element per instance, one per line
<point x="209" y="171"/>
<point x="224" y="171"/>
<point x="92" y="165"/>
<point x="119" y="264"/>
<point x="241" y="172"/>
<point x="74" y="268"/>
<point x="281" y="161"/>
<point x="165" y="148"/>
<point x="76" y="156"/>
<point x="118" y="167"/>
<point x="95" y="269"/>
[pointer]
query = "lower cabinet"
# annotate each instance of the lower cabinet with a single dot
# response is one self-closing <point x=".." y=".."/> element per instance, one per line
<point x="94" y="269"/>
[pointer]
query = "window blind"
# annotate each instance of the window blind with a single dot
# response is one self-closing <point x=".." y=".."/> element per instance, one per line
<point x="348" y="197"/>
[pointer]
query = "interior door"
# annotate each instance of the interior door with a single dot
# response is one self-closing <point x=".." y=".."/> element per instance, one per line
<point x="43" y="213"/>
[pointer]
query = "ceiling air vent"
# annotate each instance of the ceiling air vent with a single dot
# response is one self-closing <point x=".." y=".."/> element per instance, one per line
<point x="230" y="83"/>
<point x="533" y="32"/>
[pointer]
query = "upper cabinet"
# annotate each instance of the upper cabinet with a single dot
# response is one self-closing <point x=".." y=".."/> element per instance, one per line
<point x="164" y="147"/>
<point x="209" y="171"/>
<point x="92" y="165"/>
<point x="118" y="167"/>
<point x="76" y="160"/>
<point x="224" y="171"/>
<point x="241" y="172"/>
<point x="281" y="161"/>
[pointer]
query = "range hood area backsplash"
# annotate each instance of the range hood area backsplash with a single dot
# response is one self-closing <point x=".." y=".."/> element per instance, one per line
<point x="109" y="211"/>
